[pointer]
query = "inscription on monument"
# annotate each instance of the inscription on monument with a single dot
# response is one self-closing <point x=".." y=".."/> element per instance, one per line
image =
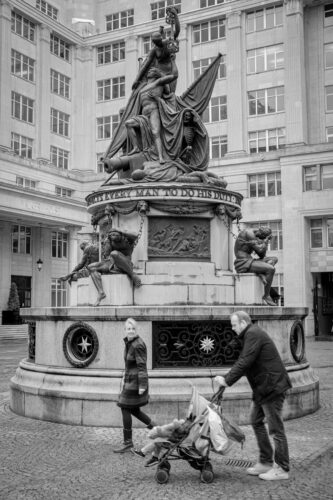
<point x="179" y="238"/>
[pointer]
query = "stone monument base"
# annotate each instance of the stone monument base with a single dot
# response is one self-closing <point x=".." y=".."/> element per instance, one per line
<point x="48" y="387"/>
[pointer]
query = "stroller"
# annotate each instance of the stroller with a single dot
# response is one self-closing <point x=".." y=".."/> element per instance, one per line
<point x="205" y="429"/>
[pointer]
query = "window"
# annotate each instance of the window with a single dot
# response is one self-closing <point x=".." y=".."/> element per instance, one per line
<point x="218" y="146"/>
<point x="59" y="157"/>
<point x="217" y="109"/>
<point x="329" y="97"/>
<point x="200" y="66"/>
<point x="328" y="14"/>
<point x="329" y="55"/>
<point x="276" y="243"/>
<point x="47" y="9"/>
<point x="264" y="19"/>
<point x="209" y="3"/>
<point x="112" y="88"/>
<point x="60" y="84"/>
<point x="267" y="140"/>
<point x="59" y="47"/>
<point x="26" y="183"/>
<point x="278" y="288"/>
<point x="21" y="145"/>
<point x="23" y="27"/>
<point x="261" y="185"/>
<point x="318" y="177"/>
<point x="21" y="239"/>
<point x="59" y="245"/>
<point x="265" y="59"/>
<point x="316" y="233"/>
<point x="266" y="101"/>
<point x="106" y="126"/>
<point x="59" y="122"/>
<point x="329" y="232"/>
<point x="23" y="66"/>
<point x="158" y="9"/>
<point x="63" y="192"/>
<point x="120" y="20"/>
<point x="22" y="108"/>
<point x="100" y="164"/>
<point x="23" y="284"/>
<point x="58" y="293"/>
<point x="111" y="53"/>
<point x="329" y="134"/>
<point x="211" y="30"/>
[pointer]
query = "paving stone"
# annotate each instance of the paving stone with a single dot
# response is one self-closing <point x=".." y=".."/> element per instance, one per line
<point x="46" y="461"/>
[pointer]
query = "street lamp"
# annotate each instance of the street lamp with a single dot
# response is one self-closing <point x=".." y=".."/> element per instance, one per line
<point x="39" y="264"/>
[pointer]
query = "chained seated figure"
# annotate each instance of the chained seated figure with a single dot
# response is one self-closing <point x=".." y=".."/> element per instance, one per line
<point x="256" y="241"/>
<point x="116" y="259"/>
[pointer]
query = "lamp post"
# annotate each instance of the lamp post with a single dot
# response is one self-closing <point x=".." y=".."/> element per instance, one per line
<point x="39" y="264"/>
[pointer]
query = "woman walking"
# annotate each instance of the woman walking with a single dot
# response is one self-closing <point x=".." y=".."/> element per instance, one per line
<point x="134" y="392"/>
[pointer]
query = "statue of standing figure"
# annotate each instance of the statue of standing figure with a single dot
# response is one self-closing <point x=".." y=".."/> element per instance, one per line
<point x="256" y="241"/>
<point x="116" y="259"/>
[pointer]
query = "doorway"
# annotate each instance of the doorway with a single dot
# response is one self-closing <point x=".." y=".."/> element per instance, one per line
<point x="23" y="284"/>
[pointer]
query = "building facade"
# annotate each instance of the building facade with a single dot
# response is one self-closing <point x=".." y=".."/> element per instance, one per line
<point x="66" y="72"/>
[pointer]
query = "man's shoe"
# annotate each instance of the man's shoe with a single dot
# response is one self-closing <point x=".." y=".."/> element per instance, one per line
<point x="126" y="446"/>
<point x="137" y="452"/>
<point x="152" y="461"/>
<point x="274" y="474"/>
<point x="258" y="469"/>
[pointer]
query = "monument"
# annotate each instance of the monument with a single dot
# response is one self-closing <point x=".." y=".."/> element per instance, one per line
<point x="166" y="259"/>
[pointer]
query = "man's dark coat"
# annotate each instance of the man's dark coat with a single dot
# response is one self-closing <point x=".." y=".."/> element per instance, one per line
<point x="260" y="362"/>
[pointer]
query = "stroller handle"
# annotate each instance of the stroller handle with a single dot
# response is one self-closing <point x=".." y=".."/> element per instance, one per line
<point x="217" y="396"/>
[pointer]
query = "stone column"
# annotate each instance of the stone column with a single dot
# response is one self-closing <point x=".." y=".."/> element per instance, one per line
<point x="43" y="97"/>
<point x="41" y="280"/>
<point x="5" y="76"/>
<point x="236" y="68"/>
<point x="295" y="88"/>
<point x="73" y="259"/>
<point x="82" y="121"/>
<point x="132" y="63"/>
<point x="5" y="263"/>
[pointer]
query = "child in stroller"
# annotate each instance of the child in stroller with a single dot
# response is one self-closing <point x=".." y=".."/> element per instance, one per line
<point x="190" y="439"/>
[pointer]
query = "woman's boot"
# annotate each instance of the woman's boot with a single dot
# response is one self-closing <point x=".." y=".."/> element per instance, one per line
<point x="127" y="444"/>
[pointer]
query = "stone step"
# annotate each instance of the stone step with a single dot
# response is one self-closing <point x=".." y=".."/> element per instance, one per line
<point x="8" y="332"/>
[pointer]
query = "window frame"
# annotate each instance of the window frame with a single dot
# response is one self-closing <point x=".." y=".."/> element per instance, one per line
<point x="105" y="122"/>
<point x="161" y="7"/>
<point x="318" y="228"/>
<point x="22" y="105"/>
<point x="24" y="239"/>
<point x="110" y="89"/>
<point x="264" y="181"/>
<point x="264" y="52"/>
<point x="60" y="48"/>
<point x="279" y="98"/>
<point x="21" y="60"/>
<point x="205" y="62"/>
<point x="25" y="144"/>
<point x="116" y="20"/>
<point x="60" y="84"/>
<point x="201" y="28"/>
<point x="255" y="136"/>
<point x="216" y="106"/>
<point x="59" y="245"/>
<point x="59" y="157"/>
<point x="59" y="293"/>
<point x="23" y="27"/>
<point x="61" y="121"/>
<point x="264" y="16"/>
<point x="221" y="142"/>
<point x="111" y="48"/>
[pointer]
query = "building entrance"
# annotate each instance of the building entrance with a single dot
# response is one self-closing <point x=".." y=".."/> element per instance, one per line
<point x="23" y="284"/>
<point x="323" y="304"/>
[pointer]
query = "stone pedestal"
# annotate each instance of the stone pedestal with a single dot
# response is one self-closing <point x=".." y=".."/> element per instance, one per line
<point x="183" y="307"/>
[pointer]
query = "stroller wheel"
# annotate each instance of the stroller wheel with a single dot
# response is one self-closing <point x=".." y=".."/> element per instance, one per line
<point x="162" y="476"/>
<point x="207" y="476"/>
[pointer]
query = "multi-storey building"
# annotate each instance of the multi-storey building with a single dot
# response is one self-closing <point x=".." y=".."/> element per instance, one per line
<point x="66" y="72"/>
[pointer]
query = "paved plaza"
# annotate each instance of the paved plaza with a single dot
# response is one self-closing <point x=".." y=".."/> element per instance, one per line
<point x="41" y="460"/>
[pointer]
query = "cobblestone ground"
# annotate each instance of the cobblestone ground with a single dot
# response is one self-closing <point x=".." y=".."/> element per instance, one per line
<point x="41" y="460"/>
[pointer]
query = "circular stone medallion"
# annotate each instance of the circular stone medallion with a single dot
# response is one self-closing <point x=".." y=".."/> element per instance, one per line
<point x="80" y="344"/>
<point x="297" y="342"/>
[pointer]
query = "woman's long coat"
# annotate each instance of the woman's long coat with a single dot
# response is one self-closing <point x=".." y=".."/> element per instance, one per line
<point x="136" y="375"/>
